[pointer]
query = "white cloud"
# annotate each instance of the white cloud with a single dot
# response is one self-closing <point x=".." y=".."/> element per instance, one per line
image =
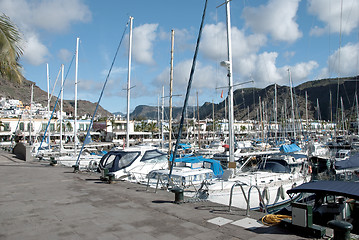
<point x="214" y="42"/>
<point x="205" y="77"/>
<point x="55" y="15"/>
<point x="329" y="12"/>
<point x="182" y="39"/>
<point x="35" y="52"/>
<point x="143" y="37"/>
<point x="265" y="71"/>
<point x="349" y="58"/>
<point x="276" y="18"/>
<point x="65" y="55"/>
<point x="299" y="72"/>
<point x="33" y="16"/>
<point x="116" y="71"/>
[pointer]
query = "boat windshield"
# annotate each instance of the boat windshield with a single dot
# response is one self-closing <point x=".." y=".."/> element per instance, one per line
<point x="154" y="156"/>
<point x="126" y="159"/>
<point x="118" y="160"/>
<point x="273" y="166"/>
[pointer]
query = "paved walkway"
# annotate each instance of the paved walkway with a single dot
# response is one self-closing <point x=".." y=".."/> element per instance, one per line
<point x="39" y="201"/>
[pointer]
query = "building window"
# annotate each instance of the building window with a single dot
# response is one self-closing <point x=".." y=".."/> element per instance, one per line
<point x="21" y="126"/>
<point x="6" y="127"/>
<point x="43" y="126"/>
<point x="28" y="127"/>
<point x="52" y="127"/>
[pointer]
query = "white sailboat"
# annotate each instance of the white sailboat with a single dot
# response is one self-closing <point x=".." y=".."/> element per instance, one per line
<point x="68" y="158"/>
<point x="270" y="178"/>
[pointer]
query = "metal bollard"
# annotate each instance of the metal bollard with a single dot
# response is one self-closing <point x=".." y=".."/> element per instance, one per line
<point x="76" y="168"/>
<point x="53" y="162"/>
<point x="341" y="229"/>
<point x="178" y="194"/>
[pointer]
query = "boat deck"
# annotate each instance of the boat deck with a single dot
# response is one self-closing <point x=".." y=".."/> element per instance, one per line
<point x="39" y="201"/>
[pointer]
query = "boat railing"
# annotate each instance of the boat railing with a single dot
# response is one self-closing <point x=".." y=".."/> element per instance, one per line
<point x="240" y="184"/>
<point x="247" y="199"/>
<point x="162" y="179"/>
<point x="92" y="166"/>
<point x="158" y="181"/>
<point x="261" y="201"/>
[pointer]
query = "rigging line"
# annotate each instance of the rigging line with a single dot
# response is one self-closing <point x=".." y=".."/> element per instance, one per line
<point x="55" y="84"/>
<point x="187" y="93"/>
<point x="340" y="39"/>
<point x="58" y="96"/>
<point x="98" y="102"/>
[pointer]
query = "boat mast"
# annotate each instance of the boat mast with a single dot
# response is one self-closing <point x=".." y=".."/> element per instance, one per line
<point x="48" y="101"/>
<point x="31" y="100"/>
<point x="162" y="117"/>
<point x="62" y="103"/>
<point x="342" y="108"/>
<point x="213" y="119"/>
<point x="230" y="87"/>
<point x="128" y="85"/>
<point x="76" y="75"/>
<point x="199" y="124"/>
<point x="357" y="109"/>
<point x="170" y="100"/>
<point x="306" y="109"/>
<point x="291" y="98"/>
<point x="275" y="112"/>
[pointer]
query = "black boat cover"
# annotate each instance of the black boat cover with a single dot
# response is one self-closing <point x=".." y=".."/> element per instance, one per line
<point x="338" y="188"/>
<point x="351" y="163"/>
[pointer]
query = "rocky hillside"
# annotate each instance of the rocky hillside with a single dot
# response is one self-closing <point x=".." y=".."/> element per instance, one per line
<point x="325" y="92"/>
<point x="22" y="92"/>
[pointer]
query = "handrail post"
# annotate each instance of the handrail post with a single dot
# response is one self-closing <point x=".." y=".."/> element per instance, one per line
<point x="260" y="199"/>
<point x="231" y="194"/>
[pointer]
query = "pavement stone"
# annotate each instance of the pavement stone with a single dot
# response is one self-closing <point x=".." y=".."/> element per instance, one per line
<point x="39" y="201"/>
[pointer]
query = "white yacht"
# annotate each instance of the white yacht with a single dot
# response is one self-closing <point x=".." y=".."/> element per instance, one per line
<point x="133" y="163"/>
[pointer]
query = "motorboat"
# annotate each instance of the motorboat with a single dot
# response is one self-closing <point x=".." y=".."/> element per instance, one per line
<point x="133" y="163"/>
<point x="187" y="172"/>
<point x="261" y="186"/>
<point x="331" y="200"/>
<point x="342" y="154"/>
<point x="211" y="149"/>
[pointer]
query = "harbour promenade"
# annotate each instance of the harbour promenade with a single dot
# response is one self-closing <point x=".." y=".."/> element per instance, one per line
<point x="39" y="201"/>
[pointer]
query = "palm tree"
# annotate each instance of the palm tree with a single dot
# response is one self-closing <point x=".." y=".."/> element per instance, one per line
<point x="10" y="50"/>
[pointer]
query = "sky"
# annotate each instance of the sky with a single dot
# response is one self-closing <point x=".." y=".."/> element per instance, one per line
<point x="313" y="39"/>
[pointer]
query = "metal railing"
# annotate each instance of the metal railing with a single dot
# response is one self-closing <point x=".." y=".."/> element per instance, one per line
<point x="261" y="201"/>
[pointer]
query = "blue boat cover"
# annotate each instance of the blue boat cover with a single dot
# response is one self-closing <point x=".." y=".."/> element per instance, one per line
<point x="215" y="165"/>
<point x="338" y="188"/>
<point x="289" y="148"/>
<point x="352" y="162"/>
<point x="184" y="145"/>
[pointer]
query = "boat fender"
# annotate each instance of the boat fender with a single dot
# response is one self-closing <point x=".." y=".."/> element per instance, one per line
<point x="281" y="191"/>
<point x="310" y="169"/>
<point x="265" y="194"/>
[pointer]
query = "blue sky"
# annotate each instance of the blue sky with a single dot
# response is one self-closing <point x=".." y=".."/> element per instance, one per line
<point x="268" y="38"/>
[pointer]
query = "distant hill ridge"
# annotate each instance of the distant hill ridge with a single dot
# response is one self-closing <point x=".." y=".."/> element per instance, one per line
<point x="246" y="101"/>
<point x="22" y="91"/>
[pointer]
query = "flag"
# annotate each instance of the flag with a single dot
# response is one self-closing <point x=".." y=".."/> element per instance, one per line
<point x="222" y="94"/>
<point x="88" y="138"/>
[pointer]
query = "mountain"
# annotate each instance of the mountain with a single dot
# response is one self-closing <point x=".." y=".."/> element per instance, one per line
<point x="247" y="100"/>
<point x="22" y="91"/>
<point x="329" y="93"/>
<point x="151" y="112"/>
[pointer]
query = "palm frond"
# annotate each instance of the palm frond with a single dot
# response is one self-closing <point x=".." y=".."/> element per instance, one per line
<point x="10" y="50"/>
